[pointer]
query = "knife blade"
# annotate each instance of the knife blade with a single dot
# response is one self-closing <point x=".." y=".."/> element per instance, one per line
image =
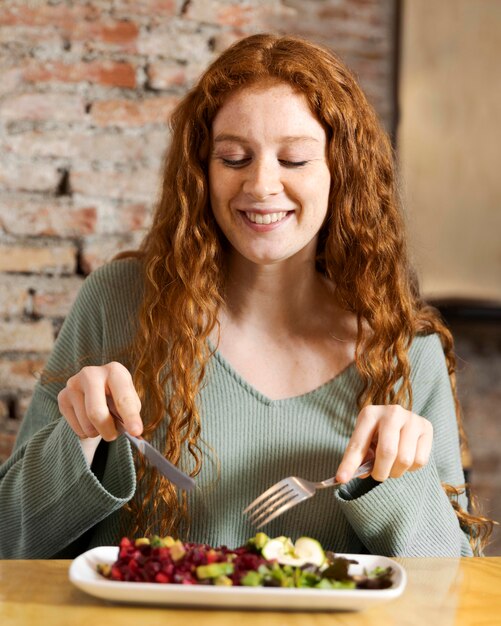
<point x="164" y="466"/>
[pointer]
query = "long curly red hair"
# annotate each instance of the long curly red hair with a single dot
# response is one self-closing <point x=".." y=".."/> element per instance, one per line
<point x="361" y="247"/>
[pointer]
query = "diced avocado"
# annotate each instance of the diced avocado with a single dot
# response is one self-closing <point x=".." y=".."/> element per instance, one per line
<point x="214" y="570"/>
<point x="162" y="542"/>
<point x="260" y="540"/>
<point x="223" y="581"/>
<point x="252" y="579"/>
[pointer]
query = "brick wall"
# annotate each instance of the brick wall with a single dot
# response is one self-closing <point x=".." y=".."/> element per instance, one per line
<point x="85" y="95"/>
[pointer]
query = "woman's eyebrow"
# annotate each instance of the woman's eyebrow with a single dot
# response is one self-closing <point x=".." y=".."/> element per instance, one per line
<point x="288" y="139"/>
<point x="227" y="137"/>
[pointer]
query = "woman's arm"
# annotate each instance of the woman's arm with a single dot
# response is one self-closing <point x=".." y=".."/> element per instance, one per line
<point x="412" y="515"/>
<point x="49" y="494"/>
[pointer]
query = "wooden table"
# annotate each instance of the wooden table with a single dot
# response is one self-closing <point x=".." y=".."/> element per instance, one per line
<point x="439" y="591"/>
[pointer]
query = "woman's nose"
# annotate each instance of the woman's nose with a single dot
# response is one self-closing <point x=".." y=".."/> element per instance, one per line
<point x="262" y="179"/>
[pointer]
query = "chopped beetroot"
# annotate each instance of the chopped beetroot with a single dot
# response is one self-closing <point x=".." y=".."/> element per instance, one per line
<point x="169" y="561"/>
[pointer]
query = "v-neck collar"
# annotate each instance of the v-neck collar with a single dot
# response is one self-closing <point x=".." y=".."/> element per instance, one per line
<point x="347" y="372"/>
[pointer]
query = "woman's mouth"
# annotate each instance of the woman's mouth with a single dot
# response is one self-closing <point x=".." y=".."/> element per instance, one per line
<point x="266" y="218"/>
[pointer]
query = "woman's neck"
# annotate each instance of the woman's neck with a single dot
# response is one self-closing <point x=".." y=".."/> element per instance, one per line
<point x="285" y="298"/>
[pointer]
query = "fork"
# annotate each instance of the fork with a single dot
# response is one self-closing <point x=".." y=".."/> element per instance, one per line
<point x="288" y="492"/>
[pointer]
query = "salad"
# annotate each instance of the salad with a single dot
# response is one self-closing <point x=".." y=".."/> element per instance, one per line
<point x="262" y="561"/>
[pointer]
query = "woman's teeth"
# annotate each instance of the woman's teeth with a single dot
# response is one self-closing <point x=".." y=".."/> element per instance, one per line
<point x="265" y="218"/>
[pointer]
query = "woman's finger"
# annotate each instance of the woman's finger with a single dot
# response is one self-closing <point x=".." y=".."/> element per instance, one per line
<point x="127" y="403"/>
<point x="69" y="415"/>
<point x="424" y="446"/>
<point x="389" y="428"/>
<point x="409" y="437"/>
<point x="359" y="443"/>
<point x="94" y="384"/>
<point x="78" y="404"/>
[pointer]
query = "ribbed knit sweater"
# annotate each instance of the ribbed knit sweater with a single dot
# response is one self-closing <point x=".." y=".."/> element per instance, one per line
<point x="52" y="504"/>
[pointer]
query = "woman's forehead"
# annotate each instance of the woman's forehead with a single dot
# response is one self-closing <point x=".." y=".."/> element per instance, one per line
<point x="274" y="108"/>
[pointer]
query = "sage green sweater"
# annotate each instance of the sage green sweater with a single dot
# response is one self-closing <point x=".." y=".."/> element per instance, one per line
<point x="53" y="505"/>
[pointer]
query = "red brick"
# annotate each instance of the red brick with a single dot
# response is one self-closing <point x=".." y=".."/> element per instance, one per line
<point x="9" y="425"/>
<point x="113" y="147"/>
<point x="245" y="17"/>
<point x="12" y="297"/>
<point x="28" y="38"/>
<point x="41" y="14"/>
<point x="34" y="176"/>
<point x="133" y="113"/>
<point x="148" y="8"/>
<point x="183" y="41"/>
<point x="11" y="79"/>
<point x="28" y="215"/>
<point x="117" y="218"/>
<point x="132" y="217"/>
<point x="23" y="402"/>
<point x="145" y="147"/>
<point x="236" y="16"/>
<point x="216" y="12"/>
<point x="34" y="143"/>
<point x="43" y="106"/>
<point x="41" y="296"/>
<point x="6" y="445"/>
<point x="167" y="75"/>
<point x="20" y="374"/>
<point x="112" y="74"/>
<point x="122" y="34"/>
<point x="224" y="40"/>
<point x="142" y="184"/>
<point x="55" y="299"/>
<point x="50" y="259"/>
<point x="26" y="336"/>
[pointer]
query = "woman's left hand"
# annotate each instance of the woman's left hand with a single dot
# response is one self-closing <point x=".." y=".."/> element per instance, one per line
<point x="399" y="440"/>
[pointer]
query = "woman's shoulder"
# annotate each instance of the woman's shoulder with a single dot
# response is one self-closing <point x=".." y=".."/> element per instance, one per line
<point x="118" y="277"/>
<point x="115" y="286"/>
<point x="125" y="268"/>
<point x="427" y="359"/>
<point x="426" y="346"/>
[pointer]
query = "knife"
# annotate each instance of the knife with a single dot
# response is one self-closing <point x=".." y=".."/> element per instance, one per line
<point x="165" y="467"/>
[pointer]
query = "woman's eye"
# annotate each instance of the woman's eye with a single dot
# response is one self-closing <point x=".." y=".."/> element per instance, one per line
<point x="235" y="162"/>
<point x="293" y="163"/>
<point x="242" y="162"/>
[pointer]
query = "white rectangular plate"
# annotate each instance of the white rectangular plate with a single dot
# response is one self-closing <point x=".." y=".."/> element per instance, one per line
<point x="83" y="574"/>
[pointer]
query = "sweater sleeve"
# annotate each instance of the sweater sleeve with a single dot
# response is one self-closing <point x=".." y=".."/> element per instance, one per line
<point x="412" y="515"/>
<point x="49" y="495"/>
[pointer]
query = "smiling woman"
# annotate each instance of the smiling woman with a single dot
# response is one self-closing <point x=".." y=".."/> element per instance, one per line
<point x="268" y="173"/>
<point x="271" y="320"/>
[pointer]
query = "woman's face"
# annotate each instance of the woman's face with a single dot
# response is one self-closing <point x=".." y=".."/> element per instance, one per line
<point x="268" y="175"/>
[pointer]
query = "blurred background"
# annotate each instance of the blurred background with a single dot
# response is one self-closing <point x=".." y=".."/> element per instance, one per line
<point x="85" y="94"/>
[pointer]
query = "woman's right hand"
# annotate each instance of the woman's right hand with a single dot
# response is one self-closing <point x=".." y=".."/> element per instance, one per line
<point x="83" y="402"/>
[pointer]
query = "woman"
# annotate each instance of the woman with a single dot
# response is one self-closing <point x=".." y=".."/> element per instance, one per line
<point x="269" y="325"/>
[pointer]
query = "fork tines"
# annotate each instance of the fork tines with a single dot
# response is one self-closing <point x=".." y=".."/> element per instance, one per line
<point x="272" y="503"/>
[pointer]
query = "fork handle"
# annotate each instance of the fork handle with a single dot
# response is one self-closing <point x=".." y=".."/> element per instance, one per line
<point x="363" y="469"/>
